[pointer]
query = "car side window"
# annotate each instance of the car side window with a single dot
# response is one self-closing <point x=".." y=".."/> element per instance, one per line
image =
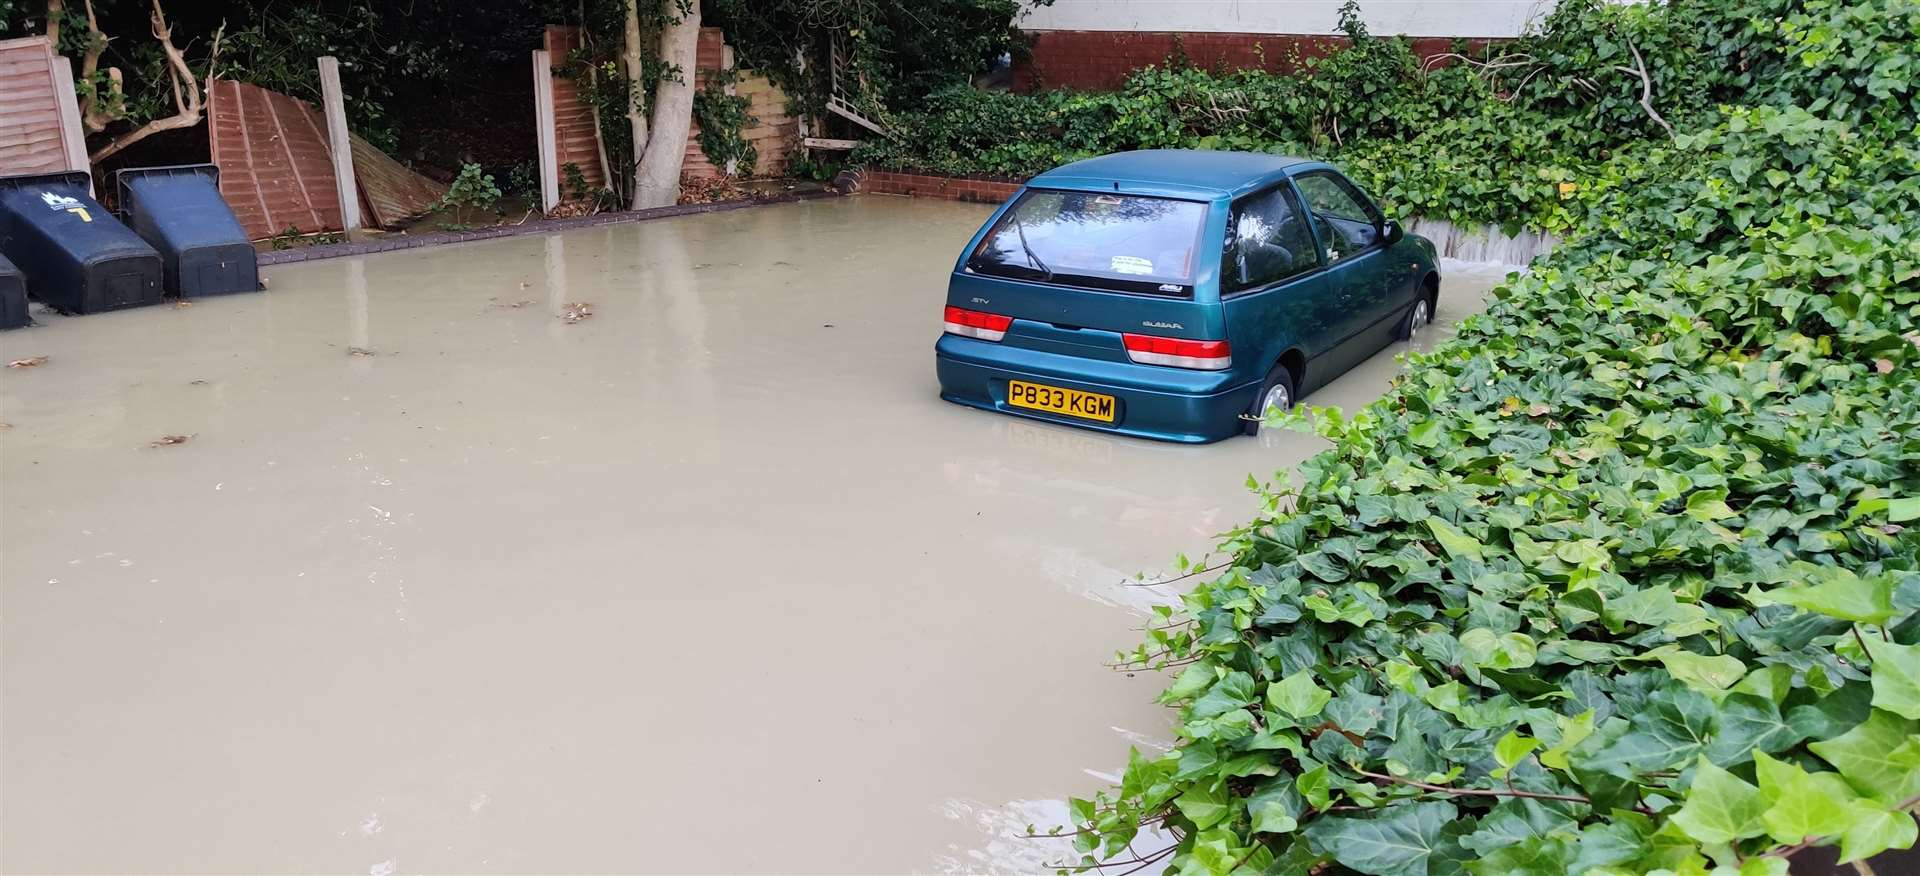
<point x="1350" y="222"/>
<point x="1267" y="241"/>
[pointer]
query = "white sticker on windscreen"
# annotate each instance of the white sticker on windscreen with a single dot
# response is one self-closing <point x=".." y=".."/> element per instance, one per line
<point x="1131" y="265"/>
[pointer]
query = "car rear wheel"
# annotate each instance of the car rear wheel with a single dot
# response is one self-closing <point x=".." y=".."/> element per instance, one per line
<point x="1276" y="394"/>
<point x="1419" y="316"/>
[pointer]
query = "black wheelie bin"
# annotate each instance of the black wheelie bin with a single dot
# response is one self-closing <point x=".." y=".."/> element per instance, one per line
<point x="76" y="257"/>
<point x="13" y="296"/>
<point x="179" y="210"/>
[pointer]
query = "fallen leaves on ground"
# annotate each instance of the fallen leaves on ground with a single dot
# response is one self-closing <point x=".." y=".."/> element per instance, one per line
<point x="360" y="351"/>
<point x="170" y="440"/>
<point x="514" y="305"/>
<point x="577" y="311"/>
<point x="33" y="362"/>
<point x="570" y="209"/>
<point x="710" y="190"/>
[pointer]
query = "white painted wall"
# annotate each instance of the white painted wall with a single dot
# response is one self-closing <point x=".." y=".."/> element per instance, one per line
<point x="1438" y="18"/>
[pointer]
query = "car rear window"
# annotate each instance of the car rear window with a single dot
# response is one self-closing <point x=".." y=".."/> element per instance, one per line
<point x="1127" y="243"/>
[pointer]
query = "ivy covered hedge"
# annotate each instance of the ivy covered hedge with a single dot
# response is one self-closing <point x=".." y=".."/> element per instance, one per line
<point x="1486" y="139"/>
<point x="1626" y="577"/>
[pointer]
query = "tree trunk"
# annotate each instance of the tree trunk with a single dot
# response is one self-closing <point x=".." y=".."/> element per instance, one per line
<point x="636" y="107"/>
<point x="657" y="184"/>
<point x="54" y="10"/>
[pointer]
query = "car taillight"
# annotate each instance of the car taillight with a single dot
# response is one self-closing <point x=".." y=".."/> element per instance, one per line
<point x="974" y="324"/>
<point x="1178" y="352"/>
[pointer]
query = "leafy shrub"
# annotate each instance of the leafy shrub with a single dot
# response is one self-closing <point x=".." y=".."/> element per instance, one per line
<point x="523" y="180"/>
<point x="1625" y="578"/>
<point x="722" y="117"/>
<point x="1472" y="140"/>
<point x="473" y="189"/>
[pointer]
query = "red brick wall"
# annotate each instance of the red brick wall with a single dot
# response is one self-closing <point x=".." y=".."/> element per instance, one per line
<point x="1099" y="60"/>
<point x="979" y="191"/>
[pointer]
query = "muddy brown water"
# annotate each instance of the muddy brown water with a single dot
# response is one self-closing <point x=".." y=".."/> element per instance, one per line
<point x="709" y="580"/>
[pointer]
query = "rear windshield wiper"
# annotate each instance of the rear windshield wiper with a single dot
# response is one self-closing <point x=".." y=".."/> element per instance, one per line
<point x="1022" y="231"/>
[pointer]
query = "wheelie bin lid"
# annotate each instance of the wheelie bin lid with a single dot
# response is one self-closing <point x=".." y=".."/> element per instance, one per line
<point x="99" y="237"/>
<point x="126" y="175"/>
<point x="77" y="178"/>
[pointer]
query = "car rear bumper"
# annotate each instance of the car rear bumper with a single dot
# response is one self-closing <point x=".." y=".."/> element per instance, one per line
<point x="1165" y="404"/>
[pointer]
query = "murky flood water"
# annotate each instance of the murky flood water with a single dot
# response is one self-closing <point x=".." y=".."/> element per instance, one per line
<point x="709" y="580"/>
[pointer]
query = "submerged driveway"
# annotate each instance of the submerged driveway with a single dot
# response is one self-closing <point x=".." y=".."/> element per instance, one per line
<point x="709" y="580"/>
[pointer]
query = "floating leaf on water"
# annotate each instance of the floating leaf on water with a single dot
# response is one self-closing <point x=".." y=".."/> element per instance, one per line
<point x="33" y="362"/>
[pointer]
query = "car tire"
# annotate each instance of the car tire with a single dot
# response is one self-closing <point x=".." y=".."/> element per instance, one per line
<point x="1419" y="316"/>
<point x="1277" y="379"/>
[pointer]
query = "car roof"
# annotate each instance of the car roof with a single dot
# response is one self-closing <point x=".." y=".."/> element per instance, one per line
<point x="1205" y="172"/>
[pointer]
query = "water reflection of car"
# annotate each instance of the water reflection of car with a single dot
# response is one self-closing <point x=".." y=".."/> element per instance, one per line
<point x="1177" y="294"/>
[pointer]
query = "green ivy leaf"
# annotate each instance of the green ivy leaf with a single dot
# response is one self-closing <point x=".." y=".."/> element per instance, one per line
<point x="1191" y="682"/>
<point x="1505" y="651"/>
<point x="1880" y="757"/>
<point x="1232" y="692"/>
<point x="1572" y="732"/>
<point x="1315" y="786"/>
<point x="1767" y="866"/>
<point x="1298" y="696"/>
<point x="1802" y="804"/>
<point x="1720" y="807"/>
<point x="1533" y="856"/>
<point x="1397" y="842"/>
<point x="1746" y="724"/>
<point x="1708" y="505"/>
<point x="1896" y="677"/>
<point x="1457" y="544"/>
<point x="1673" y="728"/>
<point x="1840" y="593"/>
<point x="1276" y="807"/>
<point x="1205" y="805"/>
<point x="1708" y="673"/>
<point x="1876" y="830"/>
<point x="1511" y="749"/>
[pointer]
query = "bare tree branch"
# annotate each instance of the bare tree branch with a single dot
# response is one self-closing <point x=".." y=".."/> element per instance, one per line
<point x="1646" y="88"/>
<point x="54" y="10"/>
<point x="187" y="89"/>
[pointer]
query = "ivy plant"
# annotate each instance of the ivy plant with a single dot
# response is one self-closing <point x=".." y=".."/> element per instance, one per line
<point x="1625" y="578"/>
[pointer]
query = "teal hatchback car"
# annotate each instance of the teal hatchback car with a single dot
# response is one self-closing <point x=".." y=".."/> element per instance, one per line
<point x="1177" y="294"/>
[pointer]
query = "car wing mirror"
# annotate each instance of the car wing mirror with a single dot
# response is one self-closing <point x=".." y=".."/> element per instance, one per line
<point x="1391" y="232"/>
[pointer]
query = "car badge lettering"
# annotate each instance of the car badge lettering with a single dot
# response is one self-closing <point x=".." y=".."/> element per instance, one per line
<point x="1163" y="325"/>
<point x="1169" y="287"/>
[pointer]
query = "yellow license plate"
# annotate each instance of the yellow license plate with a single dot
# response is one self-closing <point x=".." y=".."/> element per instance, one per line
<point x="1054" y="400"/>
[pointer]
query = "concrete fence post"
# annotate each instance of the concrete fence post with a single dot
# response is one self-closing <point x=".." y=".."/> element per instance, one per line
<point x="543" y="124"/>
<point x="340" y="144"/>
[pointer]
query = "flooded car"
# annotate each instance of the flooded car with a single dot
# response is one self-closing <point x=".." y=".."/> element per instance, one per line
<point x="1177" y="294"/>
